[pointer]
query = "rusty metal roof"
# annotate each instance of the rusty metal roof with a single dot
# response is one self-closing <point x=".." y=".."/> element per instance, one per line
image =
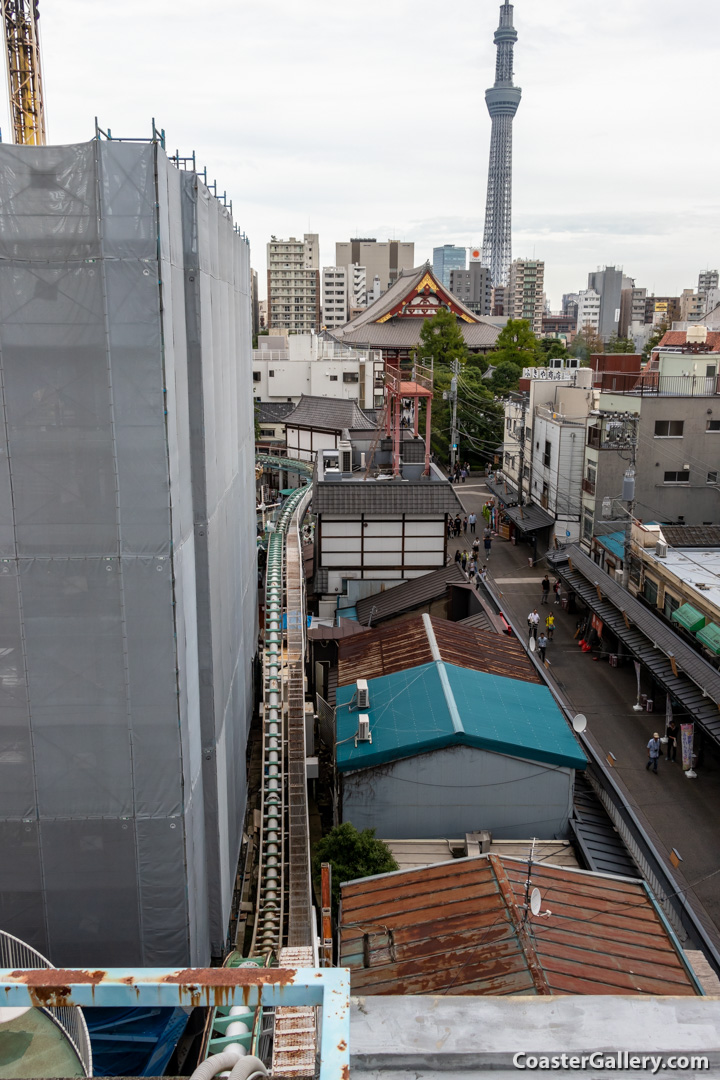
<point x="388" y="649"/>
<point x="461" y="927"/>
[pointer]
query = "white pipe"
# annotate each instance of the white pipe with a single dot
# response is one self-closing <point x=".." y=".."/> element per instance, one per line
<point x="248" y="1068"/>
<point x="215" y="1064"/>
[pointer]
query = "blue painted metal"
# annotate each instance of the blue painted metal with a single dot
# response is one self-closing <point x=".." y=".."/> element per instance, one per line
<point x="328" y="988"/>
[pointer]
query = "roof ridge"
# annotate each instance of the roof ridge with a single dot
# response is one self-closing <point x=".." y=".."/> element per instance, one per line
<point x="444" y="681"/>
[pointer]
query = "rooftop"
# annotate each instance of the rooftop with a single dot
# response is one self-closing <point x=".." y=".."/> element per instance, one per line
<point x="463" y="927"/>
<point x="329" y="414"/>
<point x="410" y="594"/>
<point x="410" y="493"/>
<point x="438" y="705"/>
<point x="387" y="649"/>
<point x="412" y="854"/>
<point x="697" y="568"/>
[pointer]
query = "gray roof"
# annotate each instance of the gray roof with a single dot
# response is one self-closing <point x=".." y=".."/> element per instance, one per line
<point x="530" y="518"/>
<point x="681" y="536"/>
<point x="269" y="412"/>
<point x="405" y="333"/>
<point x="410" y="594"/>
<point x="649" y="638"/>
<point x="328" y="414"/>
<point x="385" y="497"/>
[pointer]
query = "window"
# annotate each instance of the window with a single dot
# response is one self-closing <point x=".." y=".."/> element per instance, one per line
<point x="588" y="524"/>
<point x="650" y="592"/>
<point x="712" y="477"/>
<point x="671" y="604"/>
<point x="333" y="378"/>
<point x="257" y="376"/>
<point x="682" y="477"/>
<point x="271" y="373"/>
<point x="713" y="425"/>
<point x="267" y="433"/>
<point x="546" y="455"/>
<point x="669" y="429"/>
<point x="351" y="376"/>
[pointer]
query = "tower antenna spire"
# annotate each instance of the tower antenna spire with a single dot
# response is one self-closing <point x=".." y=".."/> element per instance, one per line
<point x="502" y="102"/>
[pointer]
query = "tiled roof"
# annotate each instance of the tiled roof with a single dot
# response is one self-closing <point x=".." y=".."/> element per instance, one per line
<point x="384" y="497"/>
<point x="439" y="705"/>
<point x="405" y="333"/>
<point x="407" y="281"/>
<point x="393" y="648"/>
<point x="273" y="411"/>
<point x="411" y="594"/>
<point x="675" y="338"/>
<point x="688" y="536"/>
<point x="461" y="927"/>
<point x="328" y="414"/>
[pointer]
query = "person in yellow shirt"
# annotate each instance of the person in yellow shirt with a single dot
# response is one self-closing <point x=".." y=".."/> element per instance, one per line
<point x="550" y="626"/>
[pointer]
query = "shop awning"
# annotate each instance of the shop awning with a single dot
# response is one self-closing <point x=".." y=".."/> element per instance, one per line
<point x="710" y="637"/>
<point x="689" y="617"/>
<point x="530" y="518"/>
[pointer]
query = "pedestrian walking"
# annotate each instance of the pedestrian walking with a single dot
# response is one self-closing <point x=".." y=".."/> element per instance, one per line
<point x="533" y="620"/>
<point x="476" y="547"/>
<point x="672" y="734"/>
<point x="472" y="522"/>
<point x="463" y="475"/>
<point x="488" y="544"/>
<point x="463" y="560"/>
<point x="471" y="567"/>
<point x="545" y="589"/>
<point x="457" y="555"/>
<point x="458" y="525"/>
<point x="556" y="590"/>
<point x="653" y="749"/>
<point x="542" y="643"/>
<point x="465" y="524"/>
<point x="550" y="626"/>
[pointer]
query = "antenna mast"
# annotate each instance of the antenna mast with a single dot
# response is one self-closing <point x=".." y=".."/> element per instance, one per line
<point x="22" y="57"/>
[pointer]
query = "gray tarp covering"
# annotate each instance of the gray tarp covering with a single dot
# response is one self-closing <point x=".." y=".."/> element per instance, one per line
<point x="127" y="555"/>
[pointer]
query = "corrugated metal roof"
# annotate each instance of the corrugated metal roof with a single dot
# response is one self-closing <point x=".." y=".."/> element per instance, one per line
<point x="438" y="705"/>
<point x="689" y="536"/>
<point x="530" y="517"/>
<point x="328" y="414"/>
<point x="648" y="638"/>
<point x="596" y="836"/>
<point x="411" y="594"/>
<point x="380" y="497"/>
<point x="614" y="543"/>
<point x="387" y="649"/>
<point x="345" y="628"/>
<point x="462" y="927"/>
<point x="480" y="621"/>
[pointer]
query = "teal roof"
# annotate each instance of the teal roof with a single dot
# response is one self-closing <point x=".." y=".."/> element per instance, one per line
<point x="614" y="543"/>
<point x="437" y="705"/>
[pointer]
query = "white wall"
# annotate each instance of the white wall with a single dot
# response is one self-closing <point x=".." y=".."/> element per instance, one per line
<point x="382" y="548"/>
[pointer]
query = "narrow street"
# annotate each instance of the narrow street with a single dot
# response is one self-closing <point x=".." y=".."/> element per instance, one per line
<point x="676" y="812"/>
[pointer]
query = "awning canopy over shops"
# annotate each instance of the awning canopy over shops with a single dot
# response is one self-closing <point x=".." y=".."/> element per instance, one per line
<point x="710" y="637"/>
<point x="689" y="617"/>
<point x="529" y="518"/>
<point x="674" y="664"/>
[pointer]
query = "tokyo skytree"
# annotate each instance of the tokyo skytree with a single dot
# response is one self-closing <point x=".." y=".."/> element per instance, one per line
<point x="502" y="101"/>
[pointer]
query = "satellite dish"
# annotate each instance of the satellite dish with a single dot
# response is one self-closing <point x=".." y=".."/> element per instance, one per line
<point x="579" y="723"/>
<point x="532" y="644"/>
<point x="535" y="901"/>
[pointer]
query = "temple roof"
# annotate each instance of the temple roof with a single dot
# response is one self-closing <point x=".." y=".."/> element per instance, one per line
<point x="395" y="319"/>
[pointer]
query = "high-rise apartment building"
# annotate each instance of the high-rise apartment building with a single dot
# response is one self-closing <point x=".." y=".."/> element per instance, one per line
<point x="357" y="289"/>
<point x="632" y="308"/>
<point x="692" y="306"/>
<point x="525" y="297"/>
<point x="446" y="259"/>
<point x="384" y="260"/>
<point x="294" y="284"/>
<point x="608" y="284"/>
<point x="473" y="287"/>
<point x="708" y="279"/>
<point x="334" y="296"/>
<point x="588" y="309"/>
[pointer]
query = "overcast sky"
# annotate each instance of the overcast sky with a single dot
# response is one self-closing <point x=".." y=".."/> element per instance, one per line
<point x="369" y="119"/>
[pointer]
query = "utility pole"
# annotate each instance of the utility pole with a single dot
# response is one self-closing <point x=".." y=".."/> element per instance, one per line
<point x="522" y="452"/>
<point x="453" y="397"/>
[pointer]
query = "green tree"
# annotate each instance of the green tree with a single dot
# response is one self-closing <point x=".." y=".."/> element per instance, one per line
<point x="655" y="340"/>
<point x="352" y="854"/>
<point x="516" y="344"/>
<point x="552" y="349"/>
<point x="587" y="343"/>
<point x="620" y="345"/>
<point x="441" y="340"/>
<point x="505" y="377"/>
<point x="480" y="416"/>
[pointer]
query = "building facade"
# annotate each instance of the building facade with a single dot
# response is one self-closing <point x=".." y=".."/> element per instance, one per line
<point x="286" y="368"/>
<point x="335" y="311"/>
<point x="525" y="298"/>
<point x="293" y="278"/>
<point x="446" y="259"/>
<point x="473" y="287"/>
<point x="588" y="310"/>
<point x="608" y="284"/>
<point x="129" y="586"/>
<point x="385" y="260"/>
<point x="708" y="279"/>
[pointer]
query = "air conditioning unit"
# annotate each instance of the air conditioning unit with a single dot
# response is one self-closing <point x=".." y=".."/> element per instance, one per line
<point x="661" y="549"/>
<point x="363" y="694"/>
<point x="345" y="450"/>
<point x="363" y="734"/>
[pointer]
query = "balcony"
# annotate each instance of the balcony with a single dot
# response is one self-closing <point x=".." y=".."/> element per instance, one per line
<point x="588" y="486"/>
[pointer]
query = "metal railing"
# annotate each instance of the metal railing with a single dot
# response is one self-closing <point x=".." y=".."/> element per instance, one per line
<point x="16" y="954"/>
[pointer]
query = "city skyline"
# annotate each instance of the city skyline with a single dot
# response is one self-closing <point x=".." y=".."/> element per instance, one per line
<point x="603" y="173"/>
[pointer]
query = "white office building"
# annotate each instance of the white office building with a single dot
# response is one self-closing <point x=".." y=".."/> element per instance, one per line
<point x="588" y="309"/>
<point x="287" y="367"/>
